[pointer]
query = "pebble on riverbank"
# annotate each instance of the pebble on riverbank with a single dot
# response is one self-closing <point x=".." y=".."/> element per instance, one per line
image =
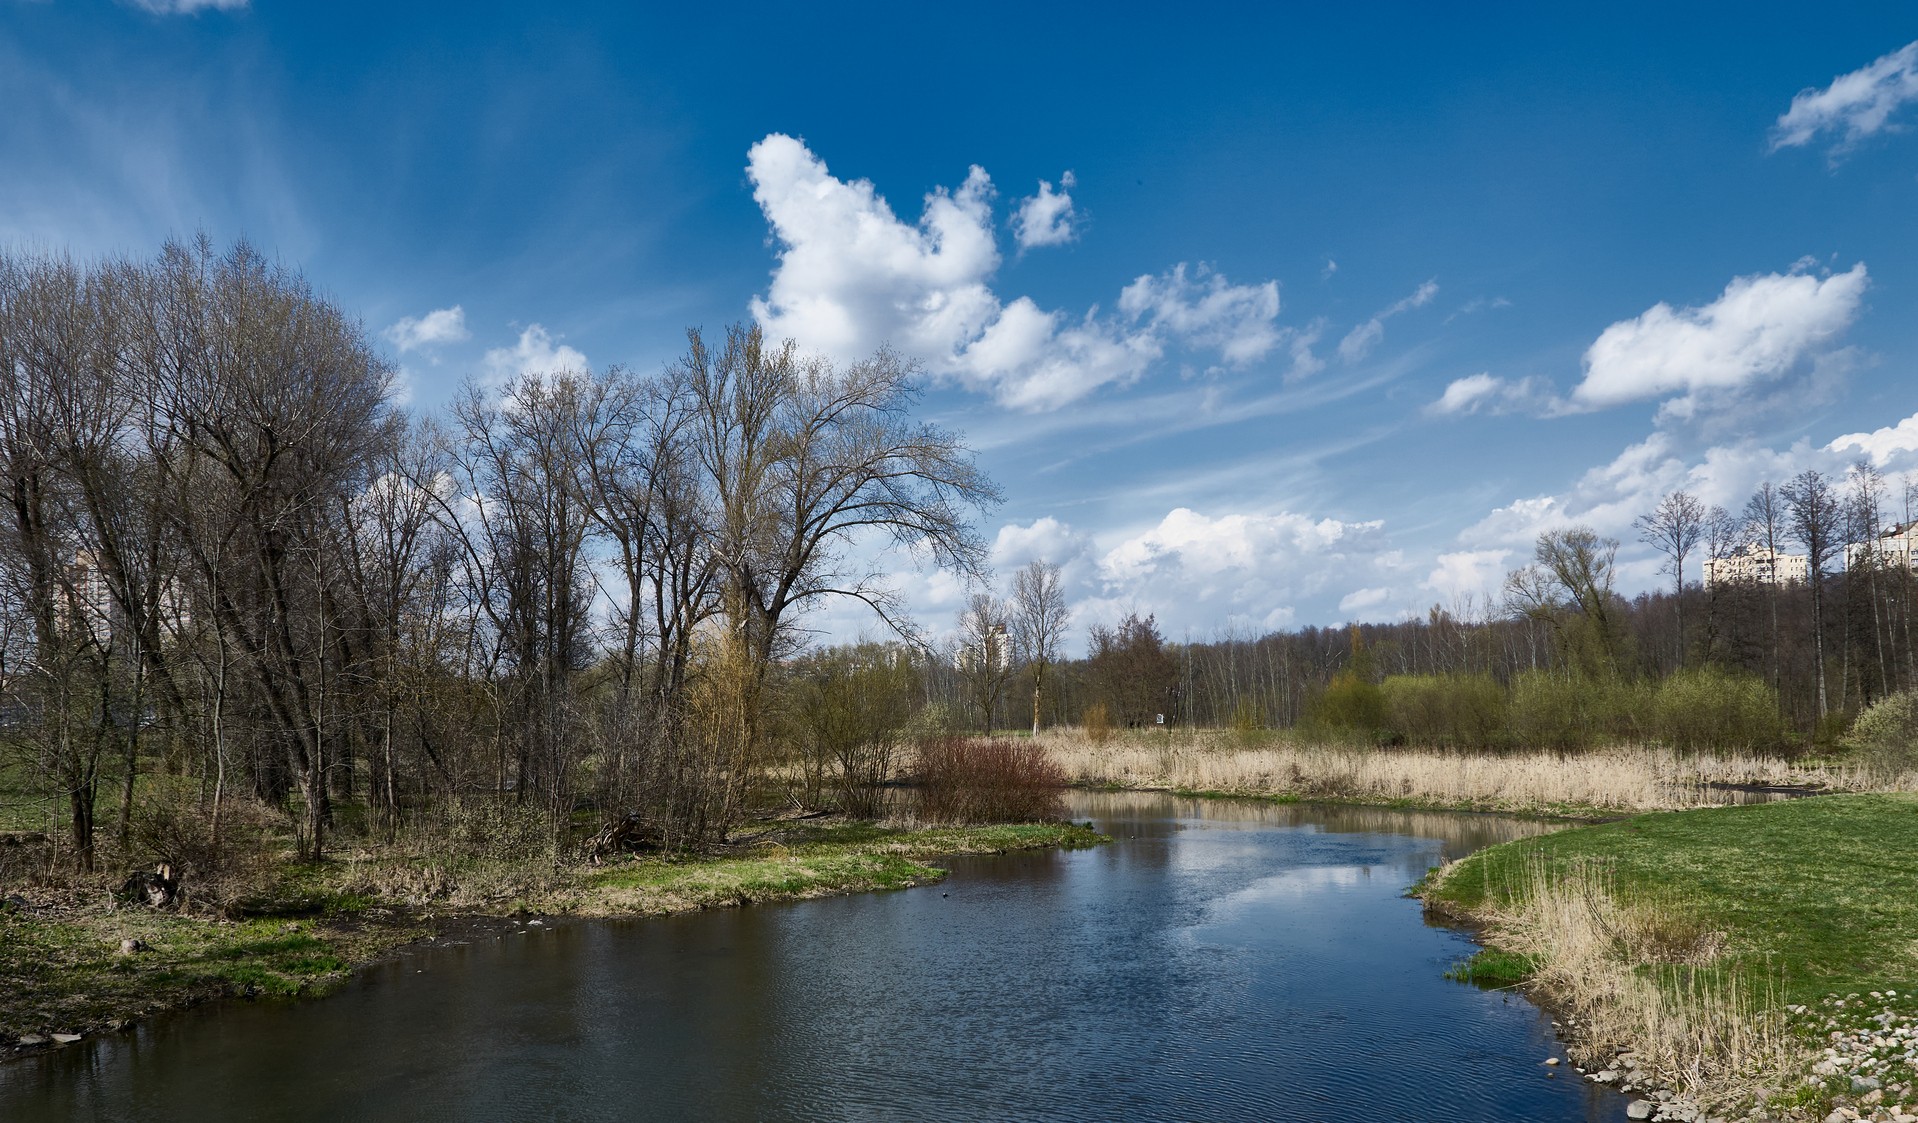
<point x="1866" y="1069"/>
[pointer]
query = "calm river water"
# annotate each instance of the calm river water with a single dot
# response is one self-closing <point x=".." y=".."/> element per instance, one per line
<point x="1220" y="960"/>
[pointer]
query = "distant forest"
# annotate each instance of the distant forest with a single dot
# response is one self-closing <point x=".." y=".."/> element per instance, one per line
<point x="1814" y="653"/>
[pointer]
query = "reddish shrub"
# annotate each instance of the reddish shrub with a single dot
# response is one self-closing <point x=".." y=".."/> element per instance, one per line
<point x="962" y="780"/>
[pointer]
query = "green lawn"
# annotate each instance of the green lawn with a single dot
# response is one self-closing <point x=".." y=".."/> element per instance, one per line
<point x="1813" y="895"/>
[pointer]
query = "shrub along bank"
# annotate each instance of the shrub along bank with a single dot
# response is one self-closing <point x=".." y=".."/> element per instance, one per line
<point x="1697" y="709"/>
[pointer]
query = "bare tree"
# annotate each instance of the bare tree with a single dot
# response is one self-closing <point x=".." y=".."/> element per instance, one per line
<point x="1039" y="621"/>
<point x="985" y="655"/>
<point x="57" y="411"/>
<point x="1722" y="537"/>
<point x="396" y="536"/>
<point x="1569" y="587"/>
<point x="1765" y="515"/>
<point x="1909" y="497"/>
<point x="803" y="459"/>
<point x="1131" y="671"/>
<point x="1673" y="528"/>
<point x="852" y="704"/>
<point x="801" y="462"/>
<point x="281" y="408"/>
<point x="524" y="531"/>
<point x="1864" y="502"/>
<point x="1814" y="518"/>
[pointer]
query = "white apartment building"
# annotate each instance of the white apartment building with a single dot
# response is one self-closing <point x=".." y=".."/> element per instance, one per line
<point x="1757" y="565"/>
<point x="1894" y="547"/>
<point x="995" y="653"/>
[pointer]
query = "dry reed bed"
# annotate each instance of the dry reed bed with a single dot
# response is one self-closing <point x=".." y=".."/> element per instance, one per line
<point x="1714" y="1043"/>
<point x="1624" y="778"/>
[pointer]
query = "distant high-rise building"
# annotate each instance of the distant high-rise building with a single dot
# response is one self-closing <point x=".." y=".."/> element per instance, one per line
<point x="1757" y="565"/>
<point x="995" y="652"/>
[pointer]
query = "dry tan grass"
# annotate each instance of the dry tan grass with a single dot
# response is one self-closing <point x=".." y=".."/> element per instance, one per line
<point x="1626" y="778"/>
<point x="1621" y="970"/>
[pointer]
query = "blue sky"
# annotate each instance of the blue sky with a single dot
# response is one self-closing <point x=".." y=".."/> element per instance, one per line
<point x="1318" y="315"/>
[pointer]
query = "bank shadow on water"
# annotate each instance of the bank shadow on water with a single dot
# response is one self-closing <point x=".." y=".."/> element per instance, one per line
<point x="1220" y="960"/>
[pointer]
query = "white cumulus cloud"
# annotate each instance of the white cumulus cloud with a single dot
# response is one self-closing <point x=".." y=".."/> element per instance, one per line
<point x="1465" y="395"/>
<point x="1199" y="570"/>
<point x="535" y="352"/>
<point x="852" y="276"/>
<point x="1468" y="575"/>
<point x="1205" y="309"/>
<point x="1882" y="445"/>
<point x="1046" y="219"/>
<point x="1609" y="496"/>
<point x="442" y="325"/>
<point x="1359" y="601"/>
<point x="1855" y="105"/>
<point x="1760" y="328"/>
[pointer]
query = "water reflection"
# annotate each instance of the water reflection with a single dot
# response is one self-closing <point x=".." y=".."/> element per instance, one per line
<point x="1219" y="961"/>
<point x="1458" y="833"/>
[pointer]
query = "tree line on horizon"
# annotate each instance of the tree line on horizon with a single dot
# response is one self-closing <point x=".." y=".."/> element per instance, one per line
<point x="1560" y="657"/>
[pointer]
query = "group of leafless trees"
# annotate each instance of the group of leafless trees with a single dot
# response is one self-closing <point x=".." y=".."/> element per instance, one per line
<point x="1852" y="599"/>
<point x="1001" y="639"/>
<point x="228" y="554"/>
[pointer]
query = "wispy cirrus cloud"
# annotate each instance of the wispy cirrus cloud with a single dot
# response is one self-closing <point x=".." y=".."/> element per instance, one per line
<point x="1358" y="342"/>
<point x="187" y="7"/>
<point x="1854" y="106"/>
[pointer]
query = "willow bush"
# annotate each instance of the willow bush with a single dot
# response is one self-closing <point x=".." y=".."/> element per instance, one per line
<point x="1570" y="711"/>
<point x="1709" y="708"/>
<point x="1460" y="711"/>
<point x="962" y="780"/>
<point x="1887" y="730"/>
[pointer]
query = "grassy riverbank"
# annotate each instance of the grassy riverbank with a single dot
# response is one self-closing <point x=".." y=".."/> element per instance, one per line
<point x="1600" y="783"/>
<point x="62" y="969"/>
<point x="1725" y="950"/>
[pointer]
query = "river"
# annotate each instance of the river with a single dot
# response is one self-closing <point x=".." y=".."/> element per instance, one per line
<point x="1220" y="960"/>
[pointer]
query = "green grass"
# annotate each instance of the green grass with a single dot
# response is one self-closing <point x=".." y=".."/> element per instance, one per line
<point x="809" y="860"/>
<point x="61" y="967"/>
<point x="68" y="973"/>
<point x="1813" y="896"/>
<point x="1493" y="969"/>
<point x="21" y="807"/>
